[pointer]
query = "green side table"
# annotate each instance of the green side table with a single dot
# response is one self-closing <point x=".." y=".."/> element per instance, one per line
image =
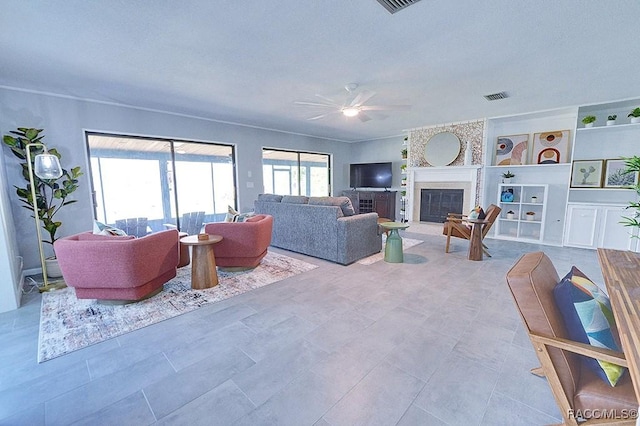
<point x="393" y="247"/>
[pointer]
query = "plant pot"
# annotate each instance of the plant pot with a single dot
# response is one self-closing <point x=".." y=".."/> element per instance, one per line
<point x="53" y="269"/>
<point x="635" y="119"/>
<point x="506" y="180"/>
<point x="611" y="122"/>
<point x="510" y="215"/>
<point x="588" y="125"/>
<point x="534" y="199"/>
<point x="530" y="217"/>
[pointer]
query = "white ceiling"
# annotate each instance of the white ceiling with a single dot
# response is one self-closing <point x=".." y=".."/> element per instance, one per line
<point x="248" y="61"/>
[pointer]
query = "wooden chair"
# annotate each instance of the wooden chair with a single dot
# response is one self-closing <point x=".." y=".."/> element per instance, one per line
<point x="136" y="226"/>
<point x="455" y="226"/>
<point x="583" y="398"/>
<point x="190" y="223"/>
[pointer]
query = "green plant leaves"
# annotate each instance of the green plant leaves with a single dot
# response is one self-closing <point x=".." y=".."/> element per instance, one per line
<point x="51" y="194"/>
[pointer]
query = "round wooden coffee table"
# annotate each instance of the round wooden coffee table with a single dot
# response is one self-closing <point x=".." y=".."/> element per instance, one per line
<point x="203" y="262"/>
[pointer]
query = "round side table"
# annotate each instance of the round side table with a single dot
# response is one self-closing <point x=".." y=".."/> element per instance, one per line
<point x="203" y="268"/>
<point x="393" y="247"/>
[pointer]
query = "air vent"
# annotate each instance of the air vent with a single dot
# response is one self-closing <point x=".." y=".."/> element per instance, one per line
<point x="394" y="6"/>
<point x="496" y="96"/>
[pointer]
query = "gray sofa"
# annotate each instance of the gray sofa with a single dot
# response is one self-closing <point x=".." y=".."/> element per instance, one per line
<point x="319" y="227"/>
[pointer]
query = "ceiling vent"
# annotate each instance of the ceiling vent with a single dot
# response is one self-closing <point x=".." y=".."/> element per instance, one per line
<point x="496" y="96"/>
<point x="394" y="6"/>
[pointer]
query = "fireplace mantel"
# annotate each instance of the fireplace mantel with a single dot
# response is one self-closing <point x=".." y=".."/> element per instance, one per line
<point x="463" y="177"/>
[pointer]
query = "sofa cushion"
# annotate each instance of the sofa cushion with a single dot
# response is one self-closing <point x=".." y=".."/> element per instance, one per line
<point x="589" y="319"/>
<point x="273" y="198"/>
<point x="295" y="199"/>
<point x="343" y="202"/>
<point x="100" y="228"/>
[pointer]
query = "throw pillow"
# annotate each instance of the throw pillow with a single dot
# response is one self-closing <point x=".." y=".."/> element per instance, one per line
<point x="232" y="214"/>
<point x="589" y="319"/>
<point x="242" y="217"/>
<point x="100" y="228"/>
<point x="477" y="213"/>
<point x="343" y="202"/>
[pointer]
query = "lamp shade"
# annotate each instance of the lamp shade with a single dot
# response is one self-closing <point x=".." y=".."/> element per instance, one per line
<point x="47" y="166"/>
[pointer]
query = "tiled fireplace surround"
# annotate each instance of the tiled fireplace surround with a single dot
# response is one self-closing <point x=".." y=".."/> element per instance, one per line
<point x="452" y="177"/>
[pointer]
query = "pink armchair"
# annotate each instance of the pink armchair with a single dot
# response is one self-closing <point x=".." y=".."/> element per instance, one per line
<point x="244" y="244"/>
<point x="118" y="268"/>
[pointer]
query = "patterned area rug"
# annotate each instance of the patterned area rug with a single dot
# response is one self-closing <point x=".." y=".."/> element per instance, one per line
<point x="68" y="324"/>
<point x="406" y="243"/>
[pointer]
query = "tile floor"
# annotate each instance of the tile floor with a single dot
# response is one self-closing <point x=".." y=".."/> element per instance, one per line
<point x="433" y="341"/>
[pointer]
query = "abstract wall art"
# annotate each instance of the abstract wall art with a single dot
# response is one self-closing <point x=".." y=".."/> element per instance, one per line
<point x="511" y="150"/>
<point x="551" y="147"/>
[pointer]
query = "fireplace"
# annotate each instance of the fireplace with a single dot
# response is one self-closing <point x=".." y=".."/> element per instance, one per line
<point x="462" y="178"/>
<point x="436" y="204"/>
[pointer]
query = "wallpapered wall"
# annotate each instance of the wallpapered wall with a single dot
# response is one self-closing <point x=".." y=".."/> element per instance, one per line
<point x="470" y="133"/>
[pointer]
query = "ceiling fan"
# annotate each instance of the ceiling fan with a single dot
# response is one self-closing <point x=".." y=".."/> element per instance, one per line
<point x="355" y="105"/>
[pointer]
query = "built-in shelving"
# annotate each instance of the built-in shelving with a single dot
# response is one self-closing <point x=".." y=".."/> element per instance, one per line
<point x="554" y="176"/>
<point x="523" y="212"/>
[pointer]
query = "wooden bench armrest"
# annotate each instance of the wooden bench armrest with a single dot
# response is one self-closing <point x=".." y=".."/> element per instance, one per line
<point x="602" y="354"/>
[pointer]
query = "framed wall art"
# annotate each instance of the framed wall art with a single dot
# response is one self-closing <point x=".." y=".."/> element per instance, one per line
<point x="551" y="147"/>
<point x="586" y="174"/>
<point x="511" y="150"/>
<point x="615" y="177"/>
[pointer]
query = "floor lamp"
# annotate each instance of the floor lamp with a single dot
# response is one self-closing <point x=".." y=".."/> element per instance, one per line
<point x="45" y="166"/>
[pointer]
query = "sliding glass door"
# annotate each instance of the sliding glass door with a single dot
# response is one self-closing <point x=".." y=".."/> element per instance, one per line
<point x="160" y="180"/>
<point x="296" y="173"/>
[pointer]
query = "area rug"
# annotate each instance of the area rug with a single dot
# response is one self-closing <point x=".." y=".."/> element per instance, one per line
<point x="406" y="243"/>
<point x="68" y="324"/>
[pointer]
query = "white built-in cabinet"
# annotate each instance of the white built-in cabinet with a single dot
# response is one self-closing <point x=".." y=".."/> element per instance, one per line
<point x="594" y="214"/>
<point x="573" y="216"/>
<point x="593" y="226"/>
<point x="523" y="217"/>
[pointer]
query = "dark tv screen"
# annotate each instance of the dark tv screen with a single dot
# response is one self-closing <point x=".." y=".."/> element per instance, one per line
<point x="370" y="175"/>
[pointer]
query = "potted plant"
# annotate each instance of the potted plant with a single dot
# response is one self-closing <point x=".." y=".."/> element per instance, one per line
<point x="510" y="214"/>
<point x="403" y="193"/>
<point x="507" y="176"/>
<point x="632" y="165"/>
<point x="635" y="115"/>
<point x="589" y="120"/>
<point x="51" y="194"/>
<point x="404" y="153"/>
<point x="405" y="140"/>
<point x="530" y="216"/>
<point x="534" y="199"/>
<point x="611" y="120"/>
<point x="403" y="169"/>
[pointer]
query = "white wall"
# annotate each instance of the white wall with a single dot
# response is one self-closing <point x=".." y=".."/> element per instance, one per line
<point x="10" y="261"/>
<point x="65" y="120"/>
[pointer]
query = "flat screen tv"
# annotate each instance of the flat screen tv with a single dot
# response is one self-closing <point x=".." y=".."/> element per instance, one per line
<point x="370" y="175"/>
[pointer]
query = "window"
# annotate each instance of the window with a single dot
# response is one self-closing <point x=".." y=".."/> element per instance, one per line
<point x="295" y="173"/>
<point x="159" y="179"/>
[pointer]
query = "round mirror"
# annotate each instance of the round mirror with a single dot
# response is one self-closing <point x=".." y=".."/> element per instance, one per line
<point x="442" y="149"/>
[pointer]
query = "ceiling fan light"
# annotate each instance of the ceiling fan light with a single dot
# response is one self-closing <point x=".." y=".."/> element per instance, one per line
<point x="350" y="112"/>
